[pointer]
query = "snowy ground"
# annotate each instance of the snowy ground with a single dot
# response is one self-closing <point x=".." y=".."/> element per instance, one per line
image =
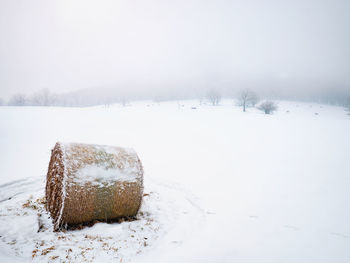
<point x="221" y="185"/>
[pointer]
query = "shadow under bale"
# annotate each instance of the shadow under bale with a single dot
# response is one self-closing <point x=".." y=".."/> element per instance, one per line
<point x="72" y="227"/>
<point x="92" y="183"/>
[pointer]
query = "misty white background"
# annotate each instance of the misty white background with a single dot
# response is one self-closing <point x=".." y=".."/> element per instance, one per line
<point x="288" y="48"/>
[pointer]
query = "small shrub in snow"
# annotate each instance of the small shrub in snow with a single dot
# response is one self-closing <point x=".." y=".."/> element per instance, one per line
<point x="268" y="107"/>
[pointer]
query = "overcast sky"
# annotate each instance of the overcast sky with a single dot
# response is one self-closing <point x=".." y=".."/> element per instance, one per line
<point x="66" y="45"/>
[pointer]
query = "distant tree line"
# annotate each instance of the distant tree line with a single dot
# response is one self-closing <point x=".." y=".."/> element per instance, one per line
<point x="41" y="98"/>
<point x="245" y="99"/>
<point x="44" y="97"/>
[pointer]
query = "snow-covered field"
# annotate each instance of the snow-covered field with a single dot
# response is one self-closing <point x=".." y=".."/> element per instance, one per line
<point x="221" y="185"/>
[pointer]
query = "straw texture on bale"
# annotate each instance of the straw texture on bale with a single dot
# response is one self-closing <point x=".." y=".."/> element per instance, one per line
<point x="91" y="182"/>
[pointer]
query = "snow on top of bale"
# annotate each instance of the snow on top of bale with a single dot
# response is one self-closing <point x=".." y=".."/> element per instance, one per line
<point x="110" y="164"/>
<point x="98" y="175"/>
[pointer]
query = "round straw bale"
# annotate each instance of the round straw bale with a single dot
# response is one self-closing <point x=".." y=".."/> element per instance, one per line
<point x="92" y="182"/>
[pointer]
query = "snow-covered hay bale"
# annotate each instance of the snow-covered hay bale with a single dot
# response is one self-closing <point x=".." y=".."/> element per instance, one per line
<point x="91" y="182"/>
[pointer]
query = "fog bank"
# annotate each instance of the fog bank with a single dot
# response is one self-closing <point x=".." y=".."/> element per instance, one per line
<point x="145" y="49"/>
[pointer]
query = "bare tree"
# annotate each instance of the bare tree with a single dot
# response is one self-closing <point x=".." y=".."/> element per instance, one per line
<point x="268" y="107"/>
<point x="214" y="97"/>
<point x="247" y="98"/>
<point x="18" y="99"/>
